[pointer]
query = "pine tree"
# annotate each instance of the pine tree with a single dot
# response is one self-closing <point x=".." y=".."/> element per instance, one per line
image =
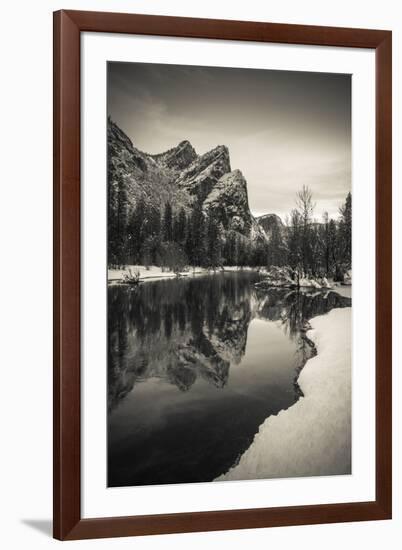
<point x="121" y="222"/>
<point x="276" y="246"/>
<point x="168" y="223"/>
<point x="152" y="222"/>
<point x="179" y="227"/>
<point x="228" y="249"/>
<point x="135" y="231"/>
<point x="326" y="244"/>
<point x="345" y="231"/>
<point x="112" y="220"/>
<point x="334" y="250"/>
<point x="213" y="242"/>
<point x="195" y="243"/>
<point x="315" y="250"/>
<point x="113" y="200"/>
<point x="155" y="237"/>
<point x="258" y="254"/>
<point x="241" y="249"/>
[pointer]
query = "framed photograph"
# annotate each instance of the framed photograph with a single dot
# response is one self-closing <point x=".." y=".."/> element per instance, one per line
<point x="222" y="274"/>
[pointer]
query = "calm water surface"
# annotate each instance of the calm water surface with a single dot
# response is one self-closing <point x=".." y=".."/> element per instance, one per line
<point x="195" y="365"/>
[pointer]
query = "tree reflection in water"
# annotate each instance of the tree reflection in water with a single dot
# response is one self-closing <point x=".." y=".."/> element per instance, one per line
<point x="183" y="329"/>
<point x="195" y="366"/>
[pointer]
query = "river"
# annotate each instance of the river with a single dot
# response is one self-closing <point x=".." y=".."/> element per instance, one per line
<point x="195" y="365"/>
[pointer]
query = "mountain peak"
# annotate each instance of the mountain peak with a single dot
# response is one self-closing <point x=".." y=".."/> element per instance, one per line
<point x="116" y="135"/>
<point x="268" y="221"/>
<point x="220" y="150"/>
<point x="183" y="178"/>
<point x="177" y="158"/>
<point x="271" y="216"/>
<point x="201" y="176"/>
<point x="183" y="144"/>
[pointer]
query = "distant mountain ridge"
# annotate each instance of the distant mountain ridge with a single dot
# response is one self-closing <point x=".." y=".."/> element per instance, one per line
<point x="270" y="222"/>
<point x="267" y="220"/>
<point x="181" y="176"/>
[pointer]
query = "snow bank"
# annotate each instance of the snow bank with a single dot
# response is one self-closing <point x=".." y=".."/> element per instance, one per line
<point x="313" y="437"/>
<point x="286" y="277"/>
<point x="154" y="273"/>
<point x="313" y="283"/>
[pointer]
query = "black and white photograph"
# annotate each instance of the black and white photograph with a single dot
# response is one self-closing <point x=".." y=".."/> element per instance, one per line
<point x="229" y="276"/>
<point x="202" y="292"/>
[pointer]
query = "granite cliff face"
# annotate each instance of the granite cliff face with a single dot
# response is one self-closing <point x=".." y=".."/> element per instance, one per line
<point x="183" y="177"/>
<point x="150" y="177"/>
<point x="268" y="222"/>
<point x="228" y="199"/>
<point x="205" y="171"/>
<point x="177" y="158"/>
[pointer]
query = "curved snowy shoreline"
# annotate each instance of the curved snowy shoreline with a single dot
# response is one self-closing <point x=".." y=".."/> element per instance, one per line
<point x="313" y="437"/>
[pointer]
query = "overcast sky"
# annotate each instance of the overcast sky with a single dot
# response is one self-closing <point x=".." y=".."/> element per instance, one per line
<point x="283" y="129"/>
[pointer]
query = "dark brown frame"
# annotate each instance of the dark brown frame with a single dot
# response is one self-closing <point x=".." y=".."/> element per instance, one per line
<point x="68" y="523"/>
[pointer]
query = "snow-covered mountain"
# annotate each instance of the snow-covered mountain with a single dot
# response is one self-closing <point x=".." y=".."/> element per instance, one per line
<point x="183" y="177"/>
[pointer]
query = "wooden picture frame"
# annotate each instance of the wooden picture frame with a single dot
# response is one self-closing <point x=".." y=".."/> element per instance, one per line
<point x="68" y="523"/>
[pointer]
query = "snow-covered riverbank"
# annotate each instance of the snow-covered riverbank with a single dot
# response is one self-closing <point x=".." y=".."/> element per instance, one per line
<point x="313" y="437"/>
<point x="156" y="273"/>
<point x="153" y="272"/>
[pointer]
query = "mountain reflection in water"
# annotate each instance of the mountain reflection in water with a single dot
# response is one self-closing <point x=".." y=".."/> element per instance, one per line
<point x="195" y="365"/>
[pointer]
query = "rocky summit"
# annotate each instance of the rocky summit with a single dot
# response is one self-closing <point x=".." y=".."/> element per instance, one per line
<point x="183" y="177"/>
<point x="268" y="222"/>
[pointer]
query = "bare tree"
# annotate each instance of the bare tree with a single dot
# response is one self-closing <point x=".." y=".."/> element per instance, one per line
<point x="305" y="206"/>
